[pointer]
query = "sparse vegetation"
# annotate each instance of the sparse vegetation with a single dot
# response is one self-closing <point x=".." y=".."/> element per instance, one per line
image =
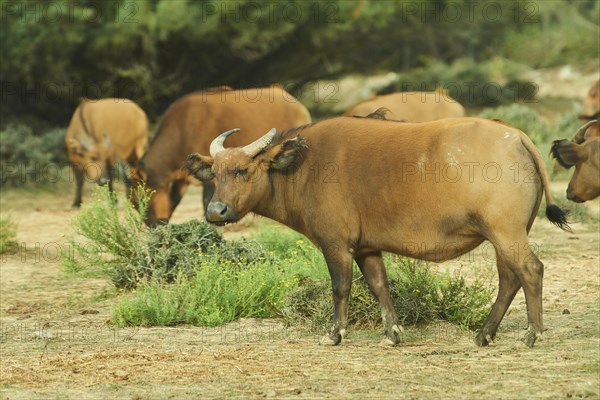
<point x="8" y="235"/>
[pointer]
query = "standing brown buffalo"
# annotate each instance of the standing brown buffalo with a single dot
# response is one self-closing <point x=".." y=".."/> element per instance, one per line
<point x="359" y="186"/>
<point x="192" y="122"/>
<point x="584" y="154"/>
<point x="411" y="106"/>
<point x="591" y="111"/>
<point x="102" y="132"/>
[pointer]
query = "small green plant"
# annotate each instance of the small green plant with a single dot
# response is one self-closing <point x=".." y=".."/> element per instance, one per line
<point x="112" y="239"/>
<point x="8" y="235"/>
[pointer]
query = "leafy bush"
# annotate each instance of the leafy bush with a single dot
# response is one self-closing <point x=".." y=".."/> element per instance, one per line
<point x="176" y="249"/>
<point x="130" y="253"/>
<point x="8" y="235"/>
<point x="419" y="296"/>
<point x="24" y="156"/>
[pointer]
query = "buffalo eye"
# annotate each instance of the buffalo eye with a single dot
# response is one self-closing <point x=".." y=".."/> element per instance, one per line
<point x="241" y="173"/>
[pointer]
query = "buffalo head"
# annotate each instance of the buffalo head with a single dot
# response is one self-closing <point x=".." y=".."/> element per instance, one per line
<point x="92" y="157"/>
<point x="242" y="175"/>
<point x="584" y="155"/>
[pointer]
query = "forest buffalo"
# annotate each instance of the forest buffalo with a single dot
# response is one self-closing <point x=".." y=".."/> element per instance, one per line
<point x="359" y="186"/>
<point x="192" y="122"/>
<point x="102" y="133"/>
<point x="411" y="106"/>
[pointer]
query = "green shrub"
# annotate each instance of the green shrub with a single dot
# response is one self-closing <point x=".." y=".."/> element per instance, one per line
<point x="120" y="246"/>
<point x="24" y="157"/>
<point x="218" y="292"/>
<point x="176" y="249"/>
<point x="113" y="240"/>
<point x="419" y="296"/>
<point x="8" y="235"/>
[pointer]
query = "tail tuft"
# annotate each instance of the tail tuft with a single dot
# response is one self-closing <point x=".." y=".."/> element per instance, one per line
<point x="558" y="217"/>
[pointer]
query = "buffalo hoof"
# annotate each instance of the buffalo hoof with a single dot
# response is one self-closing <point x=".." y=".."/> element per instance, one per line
<point x="334" y="338"/>
<point x="327" y="340"/>
<point x="531" y="336"/>
<point x="392" y="336"/>
<point x="483" y="339"/>
<point x="76" y="205"/>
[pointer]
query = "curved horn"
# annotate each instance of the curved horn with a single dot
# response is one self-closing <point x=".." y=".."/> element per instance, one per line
<point x="580" y="135"/>
<point x="259" y="145"/>
<point x="216" y="145"/>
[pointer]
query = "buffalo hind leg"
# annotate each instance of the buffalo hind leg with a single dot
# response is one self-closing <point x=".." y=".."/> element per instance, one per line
<point x="339" y="263"/>
<point x="509" y="285"/>
<point x="531" y="278"/>
<point x="530" y="271"/>
<point x="78" y="172"/>
<point x="373" y="270"/>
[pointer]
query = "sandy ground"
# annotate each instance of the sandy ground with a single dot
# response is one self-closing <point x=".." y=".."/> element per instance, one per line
<point x="56" y="341"/>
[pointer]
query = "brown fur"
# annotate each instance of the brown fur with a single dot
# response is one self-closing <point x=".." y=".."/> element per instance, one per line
<point x="192" y="122"/>
<point x="363" y="186"/>
<point x="411" y="106"/>
<point x="102" y="132"/>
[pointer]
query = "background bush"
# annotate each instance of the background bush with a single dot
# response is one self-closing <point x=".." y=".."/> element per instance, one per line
<point x="24" y="156"/>
<point x="473" y="83"/>
<point x="152" y="51"/>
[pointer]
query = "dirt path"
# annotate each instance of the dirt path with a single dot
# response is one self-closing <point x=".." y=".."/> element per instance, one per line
<point x="55" y="342"/>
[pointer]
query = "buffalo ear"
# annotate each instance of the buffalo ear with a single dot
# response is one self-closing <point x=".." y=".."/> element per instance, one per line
<point x="199" y="166"/>
<point x="288" y="154"/>
<point x="567" y="153"/>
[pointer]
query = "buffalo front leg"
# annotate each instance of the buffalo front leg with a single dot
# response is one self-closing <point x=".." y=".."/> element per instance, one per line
<point x="339" y="263"/>
<point x="509" y="285"/>
<point x="178" y="189"/>
<point x="373" y="270"/>
<point x="78" y="172"/>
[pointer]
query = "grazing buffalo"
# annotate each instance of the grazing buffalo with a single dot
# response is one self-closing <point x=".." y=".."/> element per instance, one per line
<point x="359" y="186"/>
<point x="411" y="106"/>
<point x="192" y="122"/>
<point x="102" y="132"/>
<point x="591" y="110"/>
<point x="584" y="154"/>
